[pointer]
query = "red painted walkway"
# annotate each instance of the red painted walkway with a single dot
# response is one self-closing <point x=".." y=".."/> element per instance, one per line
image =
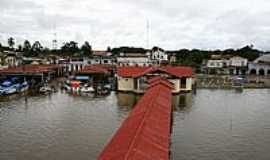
<point x="145" y="134"/>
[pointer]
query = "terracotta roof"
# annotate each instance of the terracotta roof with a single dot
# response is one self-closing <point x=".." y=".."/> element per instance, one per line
<point x="94" y="69"/>
<point x="145" y="134"/>
<point x="160" y="80"/>
<point x="129" y="71"/>
<point x="31" y="68"/>
<point x="140" y="71"/>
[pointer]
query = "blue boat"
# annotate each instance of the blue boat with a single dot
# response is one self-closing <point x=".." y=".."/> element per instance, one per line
<point x="12" y="86"/>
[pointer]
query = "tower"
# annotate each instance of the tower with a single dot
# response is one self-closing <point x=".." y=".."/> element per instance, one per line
<point x="54" y="41"/>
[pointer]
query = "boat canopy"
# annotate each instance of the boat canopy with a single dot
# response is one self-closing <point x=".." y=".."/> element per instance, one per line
<point x="82" y="77"/>
<point x="6" y="83"/>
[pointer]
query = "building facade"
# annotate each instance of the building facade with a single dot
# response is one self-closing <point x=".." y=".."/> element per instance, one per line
<point x="135" y="79"/>
<point x="134" y="59"/>
<point x="260" y="66"/>
<point x="227" y="65"/>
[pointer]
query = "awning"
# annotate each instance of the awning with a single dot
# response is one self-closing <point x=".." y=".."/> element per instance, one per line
<point x="82" y="77"/>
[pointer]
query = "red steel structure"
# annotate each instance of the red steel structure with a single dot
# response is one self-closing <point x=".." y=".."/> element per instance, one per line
<point x="145" y="134"/>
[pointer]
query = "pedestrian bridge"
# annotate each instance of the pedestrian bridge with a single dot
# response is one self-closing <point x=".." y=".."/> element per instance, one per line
<point x="145" y="134"/>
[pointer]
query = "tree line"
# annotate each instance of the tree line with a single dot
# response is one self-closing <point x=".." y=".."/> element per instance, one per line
<point x="190" y="57"/>
<point x="37" y="50"/>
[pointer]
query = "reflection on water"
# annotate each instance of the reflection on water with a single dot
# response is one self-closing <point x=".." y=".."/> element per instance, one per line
<point x="213" y="124"/>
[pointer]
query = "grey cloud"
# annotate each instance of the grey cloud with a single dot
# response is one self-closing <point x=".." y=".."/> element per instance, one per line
<point x="208" y="24"/>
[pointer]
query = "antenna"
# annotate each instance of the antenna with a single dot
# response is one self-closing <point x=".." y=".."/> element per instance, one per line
<point x="147" y="30"/>
<point x="54" y="41"/>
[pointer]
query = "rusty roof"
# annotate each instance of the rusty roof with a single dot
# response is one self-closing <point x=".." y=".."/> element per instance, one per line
<point x="33" y="68"/>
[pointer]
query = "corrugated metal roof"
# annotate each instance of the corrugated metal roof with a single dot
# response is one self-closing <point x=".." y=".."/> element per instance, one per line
<point x="145" y="134"/>
<point x="31" y="68"/>
<point x="94" y="69"/>
<point x="179" y="71"/>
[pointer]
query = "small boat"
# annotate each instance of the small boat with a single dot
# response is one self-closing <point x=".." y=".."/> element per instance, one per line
<point x="238" y="84"/>
<point x="24" y="87"/>
<point x="87" y="89"/>
<point x="108" y="86"/>
<point x="45" y="89"/>
<point x="10" y="90"/>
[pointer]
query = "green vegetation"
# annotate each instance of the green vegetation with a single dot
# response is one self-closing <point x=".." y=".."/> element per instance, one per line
<point x="193" y="57"/>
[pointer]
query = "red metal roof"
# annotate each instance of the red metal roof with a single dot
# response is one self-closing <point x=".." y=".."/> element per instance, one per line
<point x="145" y="134"/>
<point x="140" y="71"/>
<point x="160" y="80"/>
<point x="94" y="69"/>
<point x="129" y="71"/>
<point x="31" y="69"/>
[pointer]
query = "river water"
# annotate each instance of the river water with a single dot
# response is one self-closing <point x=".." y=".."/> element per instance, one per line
<point x="208" y="125"/>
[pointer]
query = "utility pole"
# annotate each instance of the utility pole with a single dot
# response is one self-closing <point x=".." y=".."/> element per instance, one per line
<point x="54" y="41"/>
<point x="147" y="32"/>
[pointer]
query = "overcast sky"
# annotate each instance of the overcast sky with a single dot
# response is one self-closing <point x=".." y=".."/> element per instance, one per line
<point x="174" y="24"/>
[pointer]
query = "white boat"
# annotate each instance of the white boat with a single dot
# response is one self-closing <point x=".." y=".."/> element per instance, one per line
<point x="45" y="89"/>
<point x="10" y="90"/>
<point x="87" y="89"/>
<point x="24" y="87"/>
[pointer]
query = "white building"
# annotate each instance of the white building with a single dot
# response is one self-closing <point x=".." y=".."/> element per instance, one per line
<point x="102" y="57"/>
<point x="227" y="65"/>
<point x="134" y="59"/>
<point x="158" y="56"/>
<point x="261" y="66"/>
<point x="74" y="64"/>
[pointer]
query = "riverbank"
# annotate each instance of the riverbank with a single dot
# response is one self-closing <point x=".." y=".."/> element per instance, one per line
<point x="227" y="82"/>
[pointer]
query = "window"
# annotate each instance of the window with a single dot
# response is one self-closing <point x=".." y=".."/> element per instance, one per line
<point x="183" y="82"/>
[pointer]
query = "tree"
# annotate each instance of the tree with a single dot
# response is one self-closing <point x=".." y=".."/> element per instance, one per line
<point x="36" y="48"/>
<point x="86" y="49"/>
<point x="11" y="42"/>
<point x="109" y="49"/>
<point x="1" y="47"/>
<point x="70" y="48"/>
<point x="27" y="47"/>
<point x="20" y="48"/>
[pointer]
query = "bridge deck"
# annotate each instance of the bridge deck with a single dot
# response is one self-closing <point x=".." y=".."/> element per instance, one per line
<point x="145" y="134"/>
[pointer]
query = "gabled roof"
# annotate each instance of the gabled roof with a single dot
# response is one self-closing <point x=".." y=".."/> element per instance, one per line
<point x="263" y="59"/>
<point x="135" y="72"/>
<point x="160" y="81"/>
<point x="129" y="71"/>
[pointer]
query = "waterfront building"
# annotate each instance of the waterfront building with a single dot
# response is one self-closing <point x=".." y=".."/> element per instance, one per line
<point x="12" y="59"/>
<point x="135" y="78"/>
<point x="226" y="64"/>
<point x="134" y="59"/>
<point x="39" y="73"/>
<point x="102" y="57"/>
<point x="159" y="56"/>
<point x="261" y="66"/>
<point x="72" y="65"/>
<point x="94" y="74"/>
